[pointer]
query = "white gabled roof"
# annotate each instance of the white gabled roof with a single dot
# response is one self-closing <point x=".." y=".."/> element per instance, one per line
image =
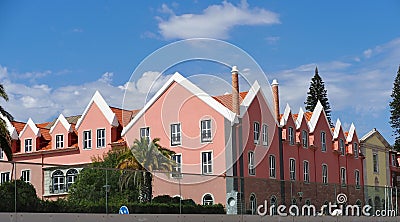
<point x="374" y="131"/>
<point x="33" y="127"/>
<point x="318" y="110"/>
<point x="182" y="81"/>
<point x="249" y="98"/>
<point x="64" y="122"/>
<point x="286" y="115"/>
<point x="103" y="106"/>
<point x="11" y="129"/>
<point x="299" y="118"/>
<point x="352" y="130"/>
<point x="251" y="94"/>
<point x="338" y="126"/>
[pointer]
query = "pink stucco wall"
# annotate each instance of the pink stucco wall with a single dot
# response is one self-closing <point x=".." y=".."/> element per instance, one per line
<point x="178" y="105"/>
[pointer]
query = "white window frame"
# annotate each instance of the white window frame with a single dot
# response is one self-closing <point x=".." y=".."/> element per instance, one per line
<point x="26" y="176"/>
<point x="28" y="142"/>
<point x="256" y="134"/>
<point x="205" y="131"/>
<point x="324" y="173"/>
<point x="1" y="154"/>
<point x="272" y="166"/>
<point x="253" y="203"/>
<point x="304" y="138"/>
<point x="375" y="162"/>
<point x="59" y="143"/>
<point x="306" y="171"/>
<point x="58" y="181"/>
<point x="177" y="169"/>
<point x="265" y="134"/>
<point x="100" y="139"/>
<point x="176" y="135"/>
<point x="356" y="150"/>
<point x="292" y="169"/>
<point x="394" y="159"/>
<point x="252" y="168"/>
<point x="3" y="177"/>
<point x="145" y="132"/>
<point x="323" y="141"/>
<point x="208" y="164"/>
<point x="291" y="136"/>
<point x="357" y="178"/>
<point x="342" y="147"/>
<point x="70" y="176"/>
<point x="87" y="141"/>
<point x="343" y="176"/>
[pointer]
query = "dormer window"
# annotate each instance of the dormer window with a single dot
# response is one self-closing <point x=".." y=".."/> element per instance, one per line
<point x="304" y="138"/>
<point x="59" y="141"/>
<point x="28" y="145"/>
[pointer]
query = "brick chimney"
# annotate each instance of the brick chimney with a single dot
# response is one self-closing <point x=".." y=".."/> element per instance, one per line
<point x="275" y="94"/>
<point x="235" y="90"/>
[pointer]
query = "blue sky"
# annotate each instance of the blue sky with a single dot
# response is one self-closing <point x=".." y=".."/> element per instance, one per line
<point x="55" y="54"/>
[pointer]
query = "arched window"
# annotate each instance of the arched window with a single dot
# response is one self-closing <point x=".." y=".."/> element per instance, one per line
<point x="273" y="202"/>
<point x="253" y="203"/>
<point x="326" y="209"/>
<point x="71" y="177"/>
<point x="58" y="182"/>
<point x="208" y="199"/>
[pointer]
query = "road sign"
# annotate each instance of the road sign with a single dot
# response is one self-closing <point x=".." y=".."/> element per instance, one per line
<point x="123" y="210"/>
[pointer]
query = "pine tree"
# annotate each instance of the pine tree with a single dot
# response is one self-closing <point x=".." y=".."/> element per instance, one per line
<point x="317" y="92"/>
<point x="395" y="111"/>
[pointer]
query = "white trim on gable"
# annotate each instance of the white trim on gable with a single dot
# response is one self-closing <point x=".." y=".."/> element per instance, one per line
<point x="64" y="122"/>
<point x="252" y="93"/>
<point x="299" y="119"/>
<point x="315" y="116"/>
<point x="286" y="115"/>
<point x="33" y="126"/>
<point x="11" y="129"/>
<point x="182" y="81"/>
<point x="104" y="108"/>
<point x="338" y="126"/>
<point x="350" y="135"/>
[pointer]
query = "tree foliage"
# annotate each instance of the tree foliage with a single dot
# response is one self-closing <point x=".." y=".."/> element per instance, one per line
<point x="5" y="138"/>
<point x="317" y="92"/>
<point x="139" y="161"/>
<point x="395" y="110"/>
<point x="90" y="185"/>
<point x="27" y="200"/>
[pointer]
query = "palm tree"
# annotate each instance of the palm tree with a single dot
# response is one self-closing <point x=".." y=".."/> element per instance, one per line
<point x="140" y="161"/>
<point x="5" y="138"/>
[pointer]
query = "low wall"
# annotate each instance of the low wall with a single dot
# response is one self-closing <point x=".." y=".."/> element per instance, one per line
<point x="61" y="217"/>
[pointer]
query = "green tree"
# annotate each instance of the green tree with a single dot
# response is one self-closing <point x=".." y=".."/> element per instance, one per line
<point x="395" y="111"/>
<point x="143" y="158"/>
<point x="317" y="92"/>
<point x="90" y="185"/>
<point x="5" y="138"/>
<point x="27" y="200"/>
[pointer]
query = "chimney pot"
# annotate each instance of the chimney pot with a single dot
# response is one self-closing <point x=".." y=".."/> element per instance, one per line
<point x="275" y="94"/>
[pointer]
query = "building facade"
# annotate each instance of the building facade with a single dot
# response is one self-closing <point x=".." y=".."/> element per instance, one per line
<point x="235" y="149"/>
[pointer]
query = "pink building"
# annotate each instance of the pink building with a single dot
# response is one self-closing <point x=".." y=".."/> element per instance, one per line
<point x="233" y="149"/>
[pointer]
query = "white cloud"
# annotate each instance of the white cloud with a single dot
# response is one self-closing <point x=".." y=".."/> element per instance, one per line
<point x="272" y="39"/>
<point x="368" y="53"/>
<point x="214" y="22"/>
<point x="42" y="103"/>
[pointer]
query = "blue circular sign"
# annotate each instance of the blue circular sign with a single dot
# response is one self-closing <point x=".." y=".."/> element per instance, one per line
<point x="123" y="210"/>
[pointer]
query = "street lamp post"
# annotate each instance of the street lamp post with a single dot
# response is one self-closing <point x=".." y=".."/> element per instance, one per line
<point x="107" y="188"/>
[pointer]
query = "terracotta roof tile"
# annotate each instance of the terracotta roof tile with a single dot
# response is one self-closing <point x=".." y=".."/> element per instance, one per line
<point x="19" y="126"/>
<point x="226" y="99"/>
<point x="70" y="119"/>
<point x="306" y="114"/>
<point x="124" y="116"/>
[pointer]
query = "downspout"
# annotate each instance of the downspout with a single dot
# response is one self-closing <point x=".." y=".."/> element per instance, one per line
<point x="281" y="166"/>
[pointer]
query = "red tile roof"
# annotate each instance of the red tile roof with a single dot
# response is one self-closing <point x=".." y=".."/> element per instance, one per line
<point x="19" y="126"/>
<point x="226" y="99"/>
<point x="124" y="116"/>
<point x="306" y="114"/>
